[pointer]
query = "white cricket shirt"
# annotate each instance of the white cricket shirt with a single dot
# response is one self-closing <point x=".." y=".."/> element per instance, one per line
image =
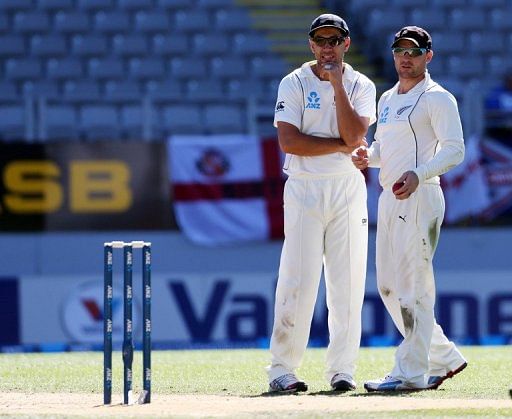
<point x="420" y="131"/>
<point x="308" y="103"/>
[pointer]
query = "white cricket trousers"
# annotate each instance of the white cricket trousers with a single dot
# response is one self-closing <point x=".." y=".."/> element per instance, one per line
<point x="407" y="236"/>
<point x="325" y="224"/>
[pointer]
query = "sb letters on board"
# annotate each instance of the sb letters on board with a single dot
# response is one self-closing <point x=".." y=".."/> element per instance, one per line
<point x="97" y="186"/>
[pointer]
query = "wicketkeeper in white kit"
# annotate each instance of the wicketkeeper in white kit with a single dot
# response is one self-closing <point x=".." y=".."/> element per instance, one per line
<point x="322" y="114"/>
<point x="418" y="137"/>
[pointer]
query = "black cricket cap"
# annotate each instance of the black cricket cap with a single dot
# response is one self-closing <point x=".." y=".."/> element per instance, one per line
<point x="328" y="20"/>
<point x="418" y="35"/>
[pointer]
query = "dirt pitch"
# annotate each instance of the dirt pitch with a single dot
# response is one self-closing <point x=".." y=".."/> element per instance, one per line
<point x="89" y="405"/>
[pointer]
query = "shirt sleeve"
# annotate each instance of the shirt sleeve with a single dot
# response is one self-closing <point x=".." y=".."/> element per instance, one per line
<point x="364" y="102"/>
<point x="289" y="104"/>
<point x="374" y="149"/>
<point x="445" y="120"/>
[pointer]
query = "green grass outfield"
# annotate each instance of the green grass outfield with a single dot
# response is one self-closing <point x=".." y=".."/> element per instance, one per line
<point x="241" y="373"/>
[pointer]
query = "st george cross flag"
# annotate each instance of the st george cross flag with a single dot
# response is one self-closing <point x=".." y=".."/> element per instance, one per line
<point x="227" y="188"/>
<point x="465" y="186"/>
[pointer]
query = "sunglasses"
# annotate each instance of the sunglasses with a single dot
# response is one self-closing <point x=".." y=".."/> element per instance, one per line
<point x="333" y="41"/>
<point x="413" y="52"/>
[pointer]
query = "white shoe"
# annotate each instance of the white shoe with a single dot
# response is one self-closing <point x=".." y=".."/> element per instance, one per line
<point x="342" y="382"/>
<point x="390" y="383"/>
<point x="287" y="383"/>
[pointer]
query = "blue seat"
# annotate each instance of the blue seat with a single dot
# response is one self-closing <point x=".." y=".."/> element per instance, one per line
<point x="169" y="91"/>
<point x="430" y="19"/>
<point x="111" y="22"/>
<point x="210" y="44"/>
<point x="489" y="3"/>
<point x="119" y="91"/>
<point x="12" y="45"/>
<point x="65" y="68"/>
<point x="105" y="68"/>
<point x="467" y="19"/>
<point x="30" y="22"/>
<point x="362" y="6"/>
<point x="465" y="67"/>
<point x="204" y="90"/>
<point x="436" y="67"/>
<point x="135" y="4"/>
<point x="41" y="88"/>
<point x="448" y="42"/>
<point x="99" y="122"/>
<point x="224" y="119"/>
<point x="245" y="88"/>
<point x="182" y="119"/>
<point x="192" y="21"/>
<point x="8" y="92"/>
<point x="149" y="22"/>
<point x="130" y="45"/>
<point x="386" y="22"/>
<point x="173" y="4"/>
<point x="268" y="67"/>
<point x="93" y="5"/>
<point x="12" y="122"/>
<point x="54" y="5"/>
<point x="4" y="23"/>
<point x="487" y="43"/>
<point x="14" y="5"/>
<point x="251" y="44"/>
<point x="410" y="3"/>
<point x="449" y="3"/>
<point x="170" y="45"/>
<point x="81" y="91"/>
<point x="71" y="22"/>
<point x="147" y="68"/>
<point x="60" y="122"/>
<point x="89" y="45"/>
<point x="48" y="45"/>
<point x="188" y="67"/>
<point x="452" y="84"/>
<point x="232" y="20"/>
<point x="22" y="69"/>
<point x="132" y="119"/>
<point x="215" y="4"/>
<point x="501" y="19"/>
<point x="228" y="67"/>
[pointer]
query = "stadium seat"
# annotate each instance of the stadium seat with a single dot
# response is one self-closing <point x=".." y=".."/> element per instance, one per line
<point x="448" y="42"/>
<point x="105" y="68"/>
<point x="251" y="44"/>
<point x="41" y="88"/>
<point x="192" y="21"/>
<point x="232" y="20"/>
<point x="150" y="22"/>
<point x="204" y="90"/>
<point x="12" y="45"/>
<point x="170" y="45"/>
<point x="147" y="68"/>
<point x="54" y="5"/>
<point x="436" y="67"/>
<point x="224" y="119"/>
<point x="430" y="19"/>
<point x="89" y="45"/>
<point x="66" y="68"/>
<point x="132" y="119"/>
<point x="135" y="4"/>
<point x="169" y="91"/>
<point x="94" y="5"/>
<point x="12" y="122"/>
<point x="467" y="20"/>
<point x="31" y="22"/>
<point x="188" y="67"/>
<point x="4" y="23"/>
<point x="449" y="3"/>
<point x="99" y="122"/>
<point x="487" y="43"/>
<point x="8" y="92"/>
<point x="22" y="69"/>
<point x="215" y="4"/>
<point x="498" y="65"/>
<point x="227" y="67"/>
<point x="501" y="19"/>
<point x="81" y="91"/>
<point x="111" y="22"/>
<point x="465" y="66"/>
<point x="367" y="5"/>
<point x="15" y="5"/>
<point x="409" y="3"/>
<point x="60" y="123"/>
<point x="130" y="45"/>
<point x="385" y="22"/>
<point x="489" y="3"/>
<point x="173" y="4"/>
<point x="181" y="119"/>
<point x="268" y="67"/>
<point x="119" y="91"/>
<point x="48" y="45"/>
<point x="71" y="22"/>
<point x="245" y="88"/>
<point x="452" y="84"/>
<point x="210" y="44"/>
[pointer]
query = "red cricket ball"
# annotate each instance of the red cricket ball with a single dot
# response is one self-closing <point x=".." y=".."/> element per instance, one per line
<point x="397" y="186"/>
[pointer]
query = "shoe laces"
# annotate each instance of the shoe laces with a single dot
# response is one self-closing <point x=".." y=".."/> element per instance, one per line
<point x="284" y="381"/>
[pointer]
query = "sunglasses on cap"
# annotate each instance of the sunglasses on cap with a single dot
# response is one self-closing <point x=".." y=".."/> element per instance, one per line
<point x="333" y="41"/>
<point x="413" y="52"/>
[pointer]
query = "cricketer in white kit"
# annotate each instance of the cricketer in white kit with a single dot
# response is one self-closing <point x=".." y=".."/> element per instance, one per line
<point x="418" y="137"/>
<point x="323" y="111"/>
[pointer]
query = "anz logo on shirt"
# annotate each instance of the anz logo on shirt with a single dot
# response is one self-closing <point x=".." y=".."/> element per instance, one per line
<point x="383" y="117"/>
<point x="313" y="101"/>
